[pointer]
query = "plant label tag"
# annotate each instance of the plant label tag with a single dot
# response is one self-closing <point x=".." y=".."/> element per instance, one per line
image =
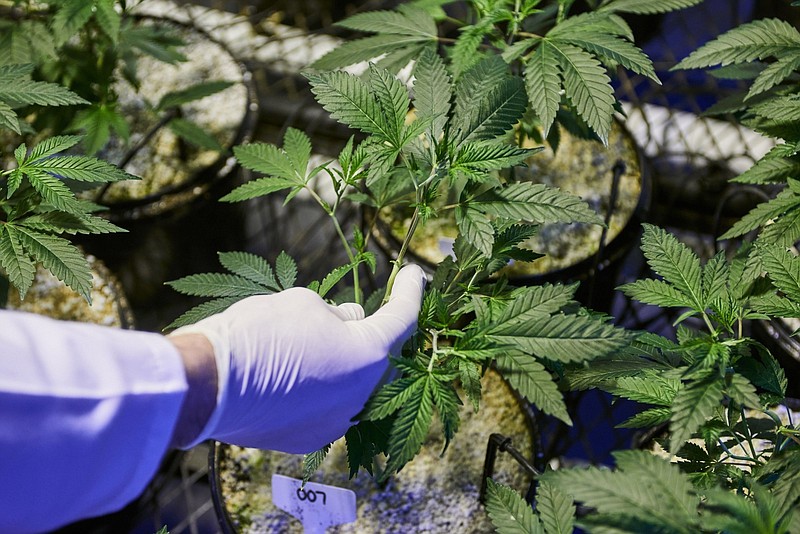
<point x="317" y="506"/>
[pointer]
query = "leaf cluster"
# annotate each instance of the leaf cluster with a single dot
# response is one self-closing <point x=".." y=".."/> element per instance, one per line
<point x="39" y="207"/>
<point x="562" y="58"/>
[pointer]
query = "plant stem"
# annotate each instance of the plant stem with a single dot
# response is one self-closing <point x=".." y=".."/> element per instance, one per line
<point x="398" y="261"/>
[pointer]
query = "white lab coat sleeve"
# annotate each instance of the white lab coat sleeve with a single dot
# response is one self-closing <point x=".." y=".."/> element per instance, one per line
<point x="86" y="415"/>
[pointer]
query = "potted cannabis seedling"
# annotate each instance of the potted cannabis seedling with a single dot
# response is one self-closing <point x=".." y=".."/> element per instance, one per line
<point x="40" y="207"/>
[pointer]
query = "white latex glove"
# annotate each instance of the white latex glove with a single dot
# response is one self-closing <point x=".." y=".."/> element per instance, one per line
<point x="293" y="370"/>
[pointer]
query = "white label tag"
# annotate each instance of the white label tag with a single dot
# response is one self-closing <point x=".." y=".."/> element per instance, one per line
<point x="317" y="506"/>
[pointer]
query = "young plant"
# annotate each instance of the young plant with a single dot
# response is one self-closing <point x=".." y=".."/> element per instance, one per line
<point x="454" y="144"/>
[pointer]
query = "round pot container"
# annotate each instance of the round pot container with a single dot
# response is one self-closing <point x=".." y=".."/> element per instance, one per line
<point x="433" y="493"/>
<point x="612" y="180"/>
<point x="174" y="173"/>
<point x="49" y="296"/>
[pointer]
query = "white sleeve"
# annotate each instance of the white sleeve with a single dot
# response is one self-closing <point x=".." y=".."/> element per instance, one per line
<point x="86" y="415"/>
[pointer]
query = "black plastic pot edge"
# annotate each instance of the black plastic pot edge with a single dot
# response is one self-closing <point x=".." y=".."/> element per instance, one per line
<point x="223" y="166"/>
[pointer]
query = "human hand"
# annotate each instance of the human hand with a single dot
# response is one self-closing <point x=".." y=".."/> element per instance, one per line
<point x="293" y="370"/>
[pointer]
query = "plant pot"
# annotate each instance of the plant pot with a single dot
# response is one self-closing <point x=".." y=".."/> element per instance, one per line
<point x="430" y="494"/>
<point x="614" y="181"/>
<point x="174" y="173"/>
<point x="50" y="297"/>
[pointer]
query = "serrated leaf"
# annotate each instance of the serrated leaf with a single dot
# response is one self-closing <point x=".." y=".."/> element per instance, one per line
<point x="769" y="170"/>
<point x="535" y="301"/>
<point x="477" y="82"/>
<point x="613" y="49"/>
<point x="556" y="509"/>
<point x="742" y="391"/>
<point x="534" y="382"/>
<point x="647" y="419"/>
<point x="476" y="228"/>
<point x="774" y="74"/>
<point x="258" y="188"/>
<point x="393" y="100"/>
<point x="693" y="405"/>
<point x="62" y="222"/>
<point x="758" y="39"/>
<point x="364" y="49"/>
<point x="411" y="21"/>
<point x="648" y="388"/>
<point x="201" y="311"/>
<point x="390" y="397"/>
<point x="51" y="146"/>
<point x="286" y="270"/>
<point x="432" y="92"/>
<point x="647" y="7"/>
<point x="79" y="168"/>
<point x="350" y="101"/>
<point x="18" y="267"/>
<point x="270" y="160"/>
<point x="494" y="115"/>
<point x="297" y="146"/>
<point x="312" y="462"/>
<point x="716" y="274"/>
<point x="587" y="86"/>
<point x="508" y="511"/>
<point x="781" y="109"/>
<point x="59" y="257"/>
<point x="53" y="191"/>
<point x="765" y="211"/>
<point x="603" y="372"/>
<point x="25" y="92"/>
<point x="250" y="266"/>
<point x="783" y="268"/>
<point x="657" y="293"/>
<point x="194" y="134"/>
<point x="535" y="203"/>
<point x="490" y="155"/>
<point x="71" y="16"/>
<point x="447" y="404"/>
<point x="193" y="93"/>
<point x="108" y="19"/>
<point x="675" y="262"/>
<point x="333" y="278"/>
<point x="411" y="427"/>
<point x="8" y="119"/>
<point x="564" y="338"/>
<point x="217" y="285"/>
<point x="543" y="84"/>
<point x="784" y="231"/>
<point x="469" y="374"/>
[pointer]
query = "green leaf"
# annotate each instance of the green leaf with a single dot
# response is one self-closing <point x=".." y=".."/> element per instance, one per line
<point x="783" y="268"/>
<point x="8" y="119"/>
<point x="535" y="203"/>
<point x="297" y="146"/>
<point x="657" y="293"/>
<point x="782" y="109"/>
<point x="350" y="100"/>
<point x="588" y="87"/>
<point x="18" y="267"/>
<point x="411" y="426"/>
<point x="612" y="49"/>
<point x="80" y="168"/>
<point x="535" y="301"/>
<point x="333" y="278"/>
<point x="364" y="49"/>
<point x="270" y="160"/>
<point x="758" y="39"/>
<point x="470" y="376"/>
<point x="201" y="311"/>
<point x="648" y="388"/>
<point x="556" y="509"/>
<point x="693" y="405"/>
<point x="59" y="257"/>
<point x="564" y="338"/>
<point x="647" y="7"/>
<point x="647" y="419"/>
<point x="312" y="462"/>
<point x="543" y="84"/>
<point x="71" y="16"/>
<point x="432" y="92"/>
<point x="715" y="278"/>
<point x="51" y="146"/>
<point x="217" y="285"/>
<point x="769" y="170"/>
<point x="194" y="134"/>
<point x="774" y="74"/>
<point x="603" y="372"/>
<point x="675" y="262"/>
<point x="25" y="92"/>
<point x="509" y="512"/>
<point x="62" y="222"/>
<point x="258" y="188"/>
<point x="193" y="93"/>
<point x="54" y="191"/>
<point x="286" y="269"/>
<point x="494" y="115"/>
<point x="489" y="156"/>
<point x="476" y="229"/>
<point x="534" y="382"/>
<point x="393" y="100"/>
<point x="448" y="405"/>
<point x="108" y="19"/>
<point x="743" y="392"/>
<point x="477" y="83"/>
<point x="390" y="397"/>
<point x="765" y="211"/>
<point x="250" y="266"/>
<point x="408" y="22"/>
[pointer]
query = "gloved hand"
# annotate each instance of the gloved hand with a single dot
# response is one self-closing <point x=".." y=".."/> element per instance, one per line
<point x="293" y="370"/>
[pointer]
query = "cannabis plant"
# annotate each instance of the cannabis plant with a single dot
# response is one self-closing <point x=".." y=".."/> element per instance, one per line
<point x="450" y="133"/>
<point x="38" y="200"/>
<point x="712" y="397"/>
<point x="89" y="47"/>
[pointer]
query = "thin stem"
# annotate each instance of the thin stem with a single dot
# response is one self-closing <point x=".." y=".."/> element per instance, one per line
<point x="398" y="261"/>
<point x="434" y="348"/>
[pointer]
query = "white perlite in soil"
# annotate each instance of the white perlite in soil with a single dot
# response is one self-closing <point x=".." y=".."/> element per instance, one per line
<point x="581" y="167"/>
<point x="49" y="296"/>
<point x="431" y="494"/>
<point x="166" y="161"/>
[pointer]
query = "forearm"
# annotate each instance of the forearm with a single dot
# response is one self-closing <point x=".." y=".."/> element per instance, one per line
<point x="197" y="355"/>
